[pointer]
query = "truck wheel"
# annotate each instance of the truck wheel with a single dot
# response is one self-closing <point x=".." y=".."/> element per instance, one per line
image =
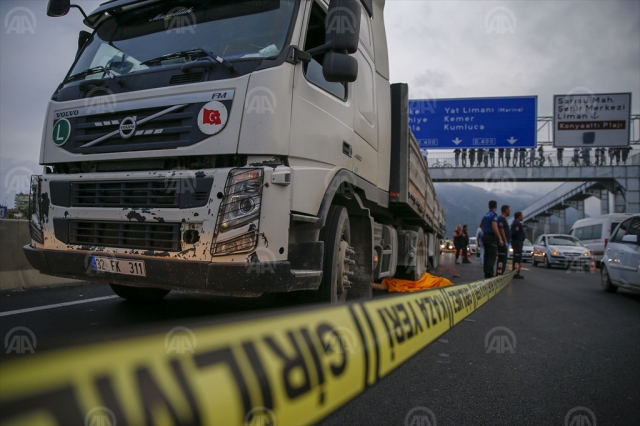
<point x="139" y="294"/>
<point x="338" y="262"/>
<point x="605" y="281"/>
<point x="414" y="268"/>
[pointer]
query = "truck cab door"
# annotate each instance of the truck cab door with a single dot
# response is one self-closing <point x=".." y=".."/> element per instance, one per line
<point x="322" y="112"/>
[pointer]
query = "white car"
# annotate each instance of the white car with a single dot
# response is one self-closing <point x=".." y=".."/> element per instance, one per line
<point x="473" y="245"/>
<point x="527" y="251"/>
<point x="560" y="250"/>
<point x="620" y="266"/>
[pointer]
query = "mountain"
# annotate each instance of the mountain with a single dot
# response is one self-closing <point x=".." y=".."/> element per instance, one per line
<point x="466" y="204"/>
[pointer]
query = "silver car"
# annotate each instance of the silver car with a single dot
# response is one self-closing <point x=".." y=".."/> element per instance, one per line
<point x="527" y="251"/>
<point x="620" y="266"/>
<point x="561" y="250"/>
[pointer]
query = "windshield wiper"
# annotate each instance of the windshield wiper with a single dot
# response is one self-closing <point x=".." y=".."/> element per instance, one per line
<point x="191" y="52"/>
<point x="94" y="70"/>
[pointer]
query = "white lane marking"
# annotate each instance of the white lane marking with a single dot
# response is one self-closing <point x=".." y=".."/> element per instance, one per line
<point x="57" y="305"/>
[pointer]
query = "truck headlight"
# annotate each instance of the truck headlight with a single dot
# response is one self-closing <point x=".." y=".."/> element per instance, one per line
<point x="242" y="199"/>
<point x="240" y="207"/>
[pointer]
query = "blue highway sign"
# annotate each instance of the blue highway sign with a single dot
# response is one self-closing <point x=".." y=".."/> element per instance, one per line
<point x="475" y="123"/>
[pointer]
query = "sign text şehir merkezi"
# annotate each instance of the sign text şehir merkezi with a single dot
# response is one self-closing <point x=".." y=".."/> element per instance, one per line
<point x="474" y="123"/>
<point x="592" y="120"/>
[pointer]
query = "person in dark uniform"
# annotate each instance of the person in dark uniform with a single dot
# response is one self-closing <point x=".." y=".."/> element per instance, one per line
<point x="505" y="233"/>
<point x="465" y="243"/>
<point x="491" y="239"/>
<point x="517" y="239"/>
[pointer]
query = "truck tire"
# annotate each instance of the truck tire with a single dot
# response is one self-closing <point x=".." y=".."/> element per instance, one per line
<point x="338" y="263"/>
<point x="139" y="294"/>
<point x="413" y="269"/>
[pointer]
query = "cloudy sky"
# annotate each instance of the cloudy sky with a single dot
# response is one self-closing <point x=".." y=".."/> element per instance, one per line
<point x="443" y="49"/>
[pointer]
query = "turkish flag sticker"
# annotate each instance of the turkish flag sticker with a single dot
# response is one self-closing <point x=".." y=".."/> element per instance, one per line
<point x="212" y="118"/>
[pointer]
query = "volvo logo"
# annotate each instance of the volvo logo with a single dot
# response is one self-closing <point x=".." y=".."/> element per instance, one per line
<point x="128" y="127"/>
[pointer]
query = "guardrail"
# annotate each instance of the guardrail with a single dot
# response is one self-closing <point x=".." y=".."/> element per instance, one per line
<point x="15" y="271"/>
<point x="438" y="158"/>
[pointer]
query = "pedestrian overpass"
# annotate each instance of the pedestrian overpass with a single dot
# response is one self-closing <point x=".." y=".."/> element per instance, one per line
<point x="619" y="182"/>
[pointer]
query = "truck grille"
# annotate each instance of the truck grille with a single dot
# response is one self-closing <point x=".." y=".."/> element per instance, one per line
<point x="145" y="236"/>
<point x="149" y="194"/>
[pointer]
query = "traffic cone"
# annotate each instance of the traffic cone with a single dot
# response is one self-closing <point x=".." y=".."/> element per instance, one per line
<point x="593" y="264"/>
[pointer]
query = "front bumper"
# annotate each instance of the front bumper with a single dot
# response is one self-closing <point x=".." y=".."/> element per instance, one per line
<point x="567" y="262"/>
<point x="228" y="279"/>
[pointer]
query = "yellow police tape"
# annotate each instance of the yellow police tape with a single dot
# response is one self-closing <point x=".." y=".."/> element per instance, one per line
<point x="288" y="368"/>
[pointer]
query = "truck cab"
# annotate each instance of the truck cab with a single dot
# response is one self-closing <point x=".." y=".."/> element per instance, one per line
<point x="233" y="148"/>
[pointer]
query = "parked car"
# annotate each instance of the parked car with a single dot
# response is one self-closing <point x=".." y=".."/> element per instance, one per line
<point x="595" y="232"/>
<point x="527" y="251"/>
<point x="560" y="250"/>
<point x="473" y="245"/>
<point x="620" y="266"/>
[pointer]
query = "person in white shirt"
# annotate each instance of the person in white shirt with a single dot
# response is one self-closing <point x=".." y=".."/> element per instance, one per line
<point x="479" y="243"/>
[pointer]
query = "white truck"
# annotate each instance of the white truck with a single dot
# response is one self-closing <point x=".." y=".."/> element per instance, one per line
<point x="232" y="147"/>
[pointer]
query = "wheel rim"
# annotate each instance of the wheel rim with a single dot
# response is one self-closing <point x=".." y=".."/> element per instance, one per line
<point x="345" y="265"/>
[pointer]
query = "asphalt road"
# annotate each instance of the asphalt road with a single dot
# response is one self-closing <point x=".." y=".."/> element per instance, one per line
<point x="566" y="353"/>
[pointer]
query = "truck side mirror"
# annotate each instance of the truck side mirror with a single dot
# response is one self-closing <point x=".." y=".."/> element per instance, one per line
<point x="342" y="28"/>
<point x="339" y="68"/>
<point x="57" y="8"/>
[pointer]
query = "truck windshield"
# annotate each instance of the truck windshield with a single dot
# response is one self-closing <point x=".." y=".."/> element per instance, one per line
<point x="148" y="37"/>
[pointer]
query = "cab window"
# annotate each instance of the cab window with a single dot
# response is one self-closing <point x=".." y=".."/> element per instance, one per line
<point x="313" y="69"/>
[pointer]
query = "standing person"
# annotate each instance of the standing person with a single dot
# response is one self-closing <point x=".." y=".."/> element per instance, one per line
<point x="464" y="158"/>
<point x="505" y="233"/>
<point x="491" y="239"/>
<point x="532" y="156"/>
<point x="479" y="243"/>
<point x="480" y="155"/>
<point x="492" y="156"/>
<point x="472" y="157"/>
<point x="465" y="243"/>
<point x="576" y="156"/>
<point x="597" y="154"/>
<point x="501" y="157"/>
<point x="507" y="153"/>
<point x="586" y="153"/>
<point x="457" y="156"/>
<point x="541" y="155"/>
<point x="612" y="154"/>
<point x="517" y="240"/>
<point x="559" y="152"/>
<point x="458" y="238"/>
<point x="425" y="155"/>
<point x="603" y="156"/>
<point x="523" y="157"/>
<point x="617" y="151"/>
<point x="625" y="154"/>
<point x="485" y="157"/>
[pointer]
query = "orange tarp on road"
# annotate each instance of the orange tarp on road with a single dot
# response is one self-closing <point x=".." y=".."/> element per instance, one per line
<point x="394" y="285"/>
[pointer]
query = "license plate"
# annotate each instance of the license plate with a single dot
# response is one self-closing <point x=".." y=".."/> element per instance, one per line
<point x="118" y="266"/>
